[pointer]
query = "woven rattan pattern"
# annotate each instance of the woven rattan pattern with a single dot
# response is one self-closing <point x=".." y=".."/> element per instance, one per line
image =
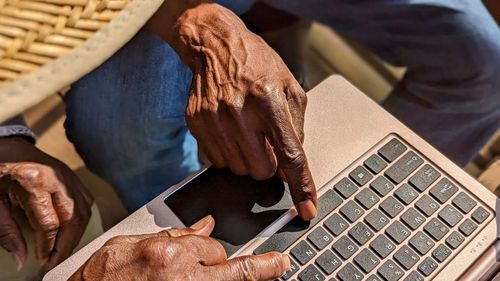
<point x="35" y="32"/>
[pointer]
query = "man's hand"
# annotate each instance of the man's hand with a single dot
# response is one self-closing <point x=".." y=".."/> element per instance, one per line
<point x="177" y="254"/>
<point x="245" y="108"/>
<point x="54" y="200"/>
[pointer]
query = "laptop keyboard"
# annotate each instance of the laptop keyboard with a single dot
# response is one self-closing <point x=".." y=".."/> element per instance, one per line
<point x="393" y="217"/>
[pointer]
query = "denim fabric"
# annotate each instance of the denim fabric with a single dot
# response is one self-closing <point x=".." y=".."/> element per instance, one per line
<point x="126" y="118"/>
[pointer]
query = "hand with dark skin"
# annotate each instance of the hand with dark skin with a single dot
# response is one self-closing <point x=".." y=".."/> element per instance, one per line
<point x="55" y="202"/>
<point x="177" y="254"/>
<point x="245" y="108"/>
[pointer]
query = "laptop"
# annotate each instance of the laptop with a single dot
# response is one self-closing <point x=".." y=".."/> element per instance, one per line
<point x="390" y="206"/>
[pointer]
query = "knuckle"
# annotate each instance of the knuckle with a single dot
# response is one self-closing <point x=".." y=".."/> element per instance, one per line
<point x="295" y="158"/>
<point x="266" y="90"/>
<point x="173" y="232"/>
<point x="49" y="226"/>
<point x="115" y="240"/>
<point x="159" y="253"/>
<point x="247" y="270"/>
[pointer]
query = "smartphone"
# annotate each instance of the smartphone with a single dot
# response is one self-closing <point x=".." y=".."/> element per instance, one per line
<point x="242" y="207"/>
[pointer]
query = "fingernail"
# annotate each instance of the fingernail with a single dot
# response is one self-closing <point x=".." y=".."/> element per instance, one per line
<point x="286" y="262"/>
<point x="199" y="225"/>
<point x="18" y="260"/>
<point x="307" y="210"/>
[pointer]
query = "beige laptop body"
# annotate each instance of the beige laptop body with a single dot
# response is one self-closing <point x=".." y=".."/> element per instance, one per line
<point x="343" y="128"/>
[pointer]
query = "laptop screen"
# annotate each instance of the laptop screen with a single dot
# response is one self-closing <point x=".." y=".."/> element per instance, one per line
<point x="242" y="207"/>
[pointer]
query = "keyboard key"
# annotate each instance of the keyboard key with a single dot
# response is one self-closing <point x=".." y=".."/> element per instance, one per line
<point x="360" y="175"/>
<point x="441" y="253"/>
<point x="382" y="186"/>
<point x="421" y="243"/>
<point x="382" y="246"/>
<point x="328" y="262"/>
<point x="319" y="238"/>
<point x="390" y="271"/>
<point x="480" y="215"/>
<point x="406" y="193"/>
<point x="349" y="273"/>
<point x="402" y="168"/>
<point x="352" y="211"/>
<point x="436" y="229"/>
<point x="427" y="205"/>
<point x="367" y="198"/>
<point x="467" y="227"/>
<point x="303" y="252"/>
<point x="345" y="187"/>
<point x="391" y="206"/>
<point x="311" y="273"/>
<point x="376" y="219"/>
<point x="328" y="202"/>
<point x="336" y="224"/>
<point x="375" y="164"/>
<point x="406" y="257"/>
<point x="392" y="150"/>
<point x="424" y="177"/>
<point x="443" y="190"/>
<point x="373" y="277"/>
<point x="398" y="232"/>
<point x="361" y="233"/>
<point x="455" y="240"/>
<point x="344" y="247"/>
<point x="450" y="215"/>
<point x="366" y="260"/>
<point x="414" y="276"/>
<point x="293" y="269"/>
<point x="412" y="218"/>
<point x="464" y="202"/>
<point x="296" y="228"/>
<point x="427" y="266"/>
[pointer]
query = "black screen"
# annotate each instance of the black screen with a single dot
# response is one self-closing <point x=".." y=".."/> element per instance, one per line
<point x="242" y="207"/>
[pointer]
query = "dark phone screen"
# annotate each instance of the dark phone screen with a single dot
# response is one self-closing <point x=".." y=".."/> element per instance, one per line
<point x="242" y="207"/>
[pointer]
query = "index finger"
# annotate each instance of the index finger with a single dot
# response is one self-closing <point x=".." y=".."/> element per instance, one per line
<point x="73" y="221"/>
<point x="292" y="161"/>
<point x="263" y="267"/>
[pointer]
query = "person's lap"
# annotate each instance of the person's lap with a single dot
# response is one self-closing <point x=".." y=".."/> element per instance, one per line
<point x="127" y="118"/>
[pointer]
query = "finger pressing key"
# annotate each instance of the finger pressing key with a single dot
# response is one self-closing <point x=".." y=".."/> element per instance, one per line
<point x="293" y="162"/>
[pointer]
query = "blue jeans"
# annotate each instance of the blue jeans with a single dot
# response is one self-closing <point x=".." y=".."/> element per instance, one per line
<point x="126" y="118"/>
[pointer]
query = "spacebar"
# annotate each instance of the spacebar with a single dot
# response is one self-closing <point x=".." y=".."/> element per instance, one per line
<point x="293" y="230"/>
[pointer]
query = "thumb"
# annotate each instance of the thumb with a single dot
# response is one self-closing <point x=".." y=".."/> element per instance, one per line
<point x="203" y="227"/>
<point x="11" y="238"/>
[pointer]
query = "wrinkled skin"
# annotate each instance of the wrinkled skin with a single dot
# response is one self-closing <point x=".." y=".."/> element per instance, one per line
<point x="52" y="197"/>
<point x="177" y="254"/>
<point x="245" y="108"/>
